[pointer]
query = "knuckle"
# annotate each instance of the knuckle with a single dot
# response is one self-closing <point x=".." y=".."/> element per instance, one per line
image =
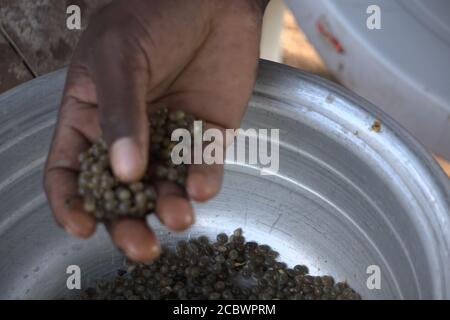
<point x="109" y="39"/>
<point x="110" y="120"/>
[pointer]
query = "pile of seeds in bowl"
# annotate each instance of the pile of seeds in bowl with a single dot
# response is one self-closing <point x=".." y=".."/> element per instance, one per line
<point x="106" y="197"/>
<point x="230" y="268"/>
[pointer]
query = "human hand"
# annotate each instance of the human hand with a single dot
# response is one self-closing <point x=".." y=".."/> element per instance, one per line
<point x="137" y="56"/>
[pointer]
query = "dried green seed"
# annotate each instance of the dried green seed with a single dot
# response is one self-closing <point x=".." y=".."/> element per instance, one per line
<point x="89" y="204"/>
<point x="201" y="270"/>
<point x="123" y="194"/>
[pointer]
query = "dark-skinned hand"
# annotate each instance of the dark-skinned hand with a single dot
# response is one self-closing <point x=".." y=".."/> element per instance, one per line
<point x="136" y="56"/>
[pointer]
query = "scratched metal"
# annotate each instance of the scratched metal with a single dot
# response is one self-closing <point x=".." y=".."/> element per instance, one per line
<point x="345" y="197"/>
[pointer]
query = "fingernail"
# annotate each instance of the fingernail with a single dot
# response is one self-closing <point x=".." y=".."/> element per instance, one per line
<point x="155" y="251"/>
<point x="193" y="184"/>
<point x="81" y="228"/>
<point x="139" y="253"/>
<point x="70" y="231"/>
<point x="126" y="160"/>
<point x="178" y="221"/>
<point x="188" y="219"/>
<point x="199" y="187"/>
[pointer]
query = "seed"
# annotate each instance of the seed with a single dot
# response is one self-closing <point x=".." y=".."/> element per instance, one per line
<point x="102" y="144"/>
<point x="83" y="182"/>
<point x="110" y="205"/>
<point x="94" y="151"/>
<point x="166" y="282"/>
<point x="307" y="289"/>
<point x="108" y="195"/>
<point x="166" y="291"/>
<point x="309" y="296"/>
<point x="123" y="194"/>
<point x="96" y="168"/>
<point x="237" y="239"/>
<point x="195" y="272"/>
<point x="214" y="296"/>
<point x="246" y="273"/>
<point x="227" y="295"/>
<point x="206" y="290"/>
<point x="204" y="261"/>
<point x="95" y="181"/>
<point x="107" y="182"/>
<point x="265" y="296"/>
<point x="327" y="281"/>
<point x="216" y="268"/>
<point x="308" y="279"/>
<point x="161" y="171"/>
<point x="150" y="193"/>
<point x="140" y="199"/>
<point x="340" y="286"/>
<point x="172" y="174"/>
<point x="283" y="278"/>
<point x="137" y="186"/>
<point x="301" y="269"/>
<point x="177" y="115"/>
<point x="200" y="270"/>
<point x="89" y="205"/>
<point x="237" y="232"/>
<point x="297" y="296"/>
<point x="219" y="286"/>
<point x="233" y="254"/>
<point x="103" y="161"/>
<point x="220" y="259"/>
<point x="251" y="246"/>
<point x="222" y="249"/>
<point x="317" y="291"/>
<point x="273" y="254"/>
<point x="96" y="176"/>
<point x="124" y="207"/>
<point x="203" y="240"/>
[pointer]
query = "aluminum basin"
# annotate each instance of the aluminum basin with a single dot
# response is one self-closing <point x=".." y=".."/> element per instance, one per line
<point x="346" y="197"/>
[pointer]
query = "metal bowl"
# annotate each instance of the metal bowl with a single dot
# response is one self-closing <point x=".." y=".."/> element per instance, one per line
<point x="346" y="196"/>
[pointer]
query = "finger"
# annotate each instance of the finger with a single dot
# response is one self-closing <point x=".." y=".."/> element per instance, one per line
<point x="61" y="188"/>
<point x="120" y="75"/>
<point x="60" y="177"/>
<point x="204" y="181"/>
<point x="135" y="238"/>
<point x="172" y="207"/>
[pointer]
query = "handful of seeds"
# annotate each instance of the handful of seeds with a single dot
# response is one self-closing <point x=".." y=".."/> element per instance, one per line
<point x="106" y="197"/>
<point x="229" y="268"/>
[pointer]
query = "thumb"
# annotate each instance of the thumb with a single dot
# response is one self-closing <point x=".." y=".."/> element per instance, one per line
<point x="121" y="83"/>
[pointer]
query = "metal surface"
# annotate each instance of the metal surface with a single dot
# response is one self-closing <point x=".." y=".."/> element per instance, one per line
<point x="345" y="197"/>
<point x="403" y="68"/>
